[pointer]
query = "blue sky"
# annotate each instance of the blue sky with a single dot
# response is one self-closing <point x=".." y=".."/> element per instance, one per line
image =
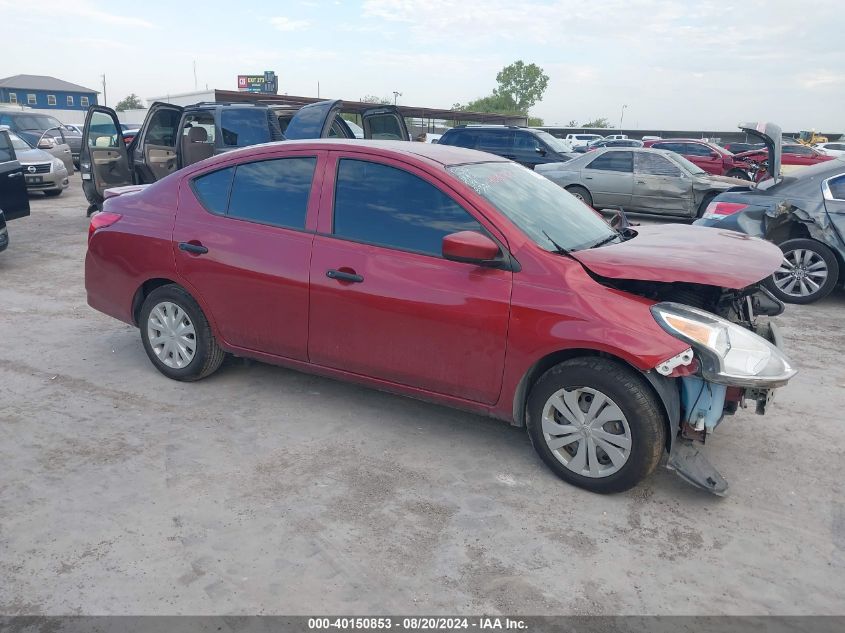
<point x="675" y="63"/>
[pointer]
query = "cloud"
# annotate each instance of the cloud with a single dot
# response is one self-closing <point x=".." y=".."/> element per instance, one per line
<point x="286" y="24"/>
<point x="49" y="9"/>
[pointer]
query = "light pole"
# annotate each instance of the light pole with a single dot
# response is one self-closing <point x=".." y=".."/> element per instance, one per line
<point x="622" y="116"/>
<point x="396" y="95"/>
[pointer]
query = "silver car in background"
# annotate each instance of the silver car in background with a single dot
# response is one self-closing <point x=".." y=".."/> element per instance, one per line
<point x="42" y="171"/>
<point x="640" y="180"/>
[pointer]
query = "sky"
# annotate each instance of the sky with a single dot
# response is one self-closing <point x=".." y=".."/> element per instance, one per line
<point x="675" y="64"/>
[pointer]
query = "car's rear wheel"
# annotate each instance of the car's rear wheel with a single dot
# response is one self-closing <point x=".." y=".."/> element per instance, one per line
<point x="597" y="424"/>
<point x="809" y="272"/>
<point x="582" y="194"/>
<point x="176" y="335"/>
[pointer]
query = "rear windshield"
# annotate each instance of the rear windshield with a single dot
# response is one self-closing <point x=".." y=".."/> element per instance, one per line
<point x="245" y="126"/>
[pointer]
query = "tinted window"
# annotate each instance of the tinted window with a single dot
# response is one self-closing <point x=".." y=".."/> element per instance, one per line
<point x="162" y="128"/>
<point x="461" y="138"/>
<point x="655" y="165"/>
<point x="273" y="191"/>
<point x="798" y="150"/>
<point x="614" y="161"/>
<point x="680" y="148"/>
<point x="696" y="149"/>
<point x="5" y="148"/>
<point x="212" y="189"/>
<point x="245" y="126"/>
<point x="385" y="127"/>
<point x="390" y="207"/>
<point x="525" y="142"/>
<point x="494" y="141"/>
<point x="837" y="187"/>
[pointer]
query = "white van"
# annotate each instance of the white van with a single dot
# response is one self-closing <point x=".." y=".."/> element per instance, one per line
<point x="581" y="140"/>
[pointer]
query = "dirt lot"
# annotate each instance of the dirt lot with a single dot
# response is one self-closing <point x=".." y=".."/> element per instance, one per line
<point x="261" y="490"/>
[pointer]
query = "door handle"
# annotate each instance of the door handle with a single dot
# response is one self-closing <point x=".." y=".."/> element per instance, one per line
<point x="588" y="177"/>
<point x="641" y="182"/>
<point x="196" y="249"/>
<point x="17" y="174"/>
<point x="342" y="276"/>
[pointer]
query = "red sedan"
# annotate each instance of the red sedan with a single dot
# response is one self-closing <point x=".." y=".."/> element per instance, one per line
<point x="451" y="275"/>
<point x="708" y="156"/>
<point x="793" y="156"/>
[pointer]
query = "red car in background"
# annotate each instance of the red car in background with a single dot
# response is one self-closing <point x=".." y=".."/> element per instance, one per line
<point x="710" y="157"/>
<point x="793" y="156"/>
<point x="450" y="275"/>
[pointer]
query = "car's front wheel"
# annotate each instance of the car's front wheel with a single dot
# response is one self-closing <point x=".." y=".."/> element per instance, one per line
<point x="176" y="335"/>
<point x="597" y="424"/>
<point x="809" y="272"/>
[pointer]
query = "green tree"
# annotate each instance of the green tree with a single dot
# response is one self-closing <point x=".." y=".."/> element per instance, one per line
<point x="535" y="121"/>
<point x="522" y="84"/>
<point x="599" y="123"/>
<point x="132" y="102"/>
<point x="374" y="99"/>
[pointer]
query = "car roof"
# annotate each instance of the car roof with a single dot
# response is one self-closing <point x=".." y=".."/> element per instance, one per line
<point x="443" y="154"/>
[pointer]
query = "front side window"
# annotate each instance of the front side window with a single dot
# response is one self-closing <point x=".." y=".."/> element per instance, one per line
<point x="656" y="165"/>
<point x="6" y="153"/>
<point x="614" y="161"/>
<point x="162" y="128"/>
<point x="102" y="131"/>
<point x="273" y="192"/>
<point x="494" y="141"/>
<point x="545" y="212"/>
<point x="680" y="148"/>
<point x="386" y="206"/>
<point x="696" y="149"/>
<point x="525" y="142"/>
<point x="245" y="126"/>
<point x="83" y="101"/>
<point x="798" y="150"/>
<point x="13" y="98"/>
<point x="30" y="99"/>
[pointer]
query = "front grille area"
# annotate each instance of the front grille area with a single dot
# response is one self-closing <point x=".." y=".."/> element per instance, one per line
<point x="41" y="168"/>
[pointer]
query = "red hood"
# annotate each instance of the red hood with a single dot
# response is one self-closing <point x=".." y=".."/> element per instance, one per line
<point x="692" y="254"/>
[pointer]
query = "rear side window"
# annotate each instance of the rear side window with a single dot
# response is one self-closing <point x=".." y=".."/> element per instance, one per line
<point x="656" y="165"/>
<point x="273" y="192"/>
<point x="695" y="149"/>
<point x="212" y="190"/>
<point x="680" y="148"/>
<point x="614" y="161"/>
<point x="837" y="187"/>
<point x="244" y="126"/>
<point x="386" y="206"/>
<point x="798" y="150"/>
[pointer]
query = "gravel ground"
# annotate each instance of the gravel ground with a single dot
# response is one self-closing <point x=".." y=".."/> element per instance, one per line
<point x="262" y="490"/>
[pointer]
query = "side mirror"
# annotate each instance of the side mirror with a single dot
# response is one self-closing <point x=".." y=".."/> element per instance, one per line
<point x="470" y="247"/>
<point x="540" y="150"/>
<point x="46" y="143"/>
<point x="715" y="155"/>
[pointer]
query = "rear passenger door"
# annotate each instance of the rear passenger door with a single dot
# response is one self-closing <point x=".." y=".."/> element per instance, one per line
<point x="104" y="160"/>
<point x="705" y="157"/>
<point x="660" y="186"/>
<point x="610" y="178"/>
<point x="154" y="148"/>
<point x="242" y="241"/>
<point x="833" y="190"/>
<point x="14" y="201"/>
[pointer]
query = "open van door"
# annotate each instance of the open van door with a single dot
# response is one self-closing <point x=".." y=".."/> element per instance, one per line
<point x="103" y="161"/>
<point x="384" y="123"/>
<point x="153" y="150"/>
<point x="14" y="201"/>
<point x="313" y="121"/>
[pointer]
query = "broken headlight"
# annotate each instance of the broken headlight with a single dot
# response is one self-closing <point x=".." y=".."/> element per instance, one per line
<point x="728" y="353"/>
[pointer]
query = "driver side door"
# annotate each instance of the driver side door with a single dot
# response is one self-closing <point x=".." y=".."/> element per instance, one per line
<point x="14" y="201"/>
<point x="104" y="161"/>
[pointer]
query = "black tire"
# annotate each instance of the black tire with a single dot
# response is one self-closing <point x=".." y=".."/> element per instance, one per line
<point x="580" y="192"/>
<point x="822" y="252"/>
<point x="738" y="173"/>
<point x="629" y="391"/>
<point x="703" y="206"/>
<point x="208" y="355"/>
<point x="52" y="193"/>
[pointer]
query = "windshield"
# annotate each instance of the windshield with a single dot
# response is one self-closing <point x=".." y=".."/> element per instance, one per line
<point x="689" y="166"/>
<point x="18" y="143"/>
<point x="545" y="212"/>
<point x="41" y="123"/>
<point x="557" y="144"/>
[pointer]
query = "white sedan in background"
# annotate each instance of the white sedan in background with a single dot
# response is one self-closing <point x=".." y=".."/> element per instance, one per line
<point x="832" y="148"/>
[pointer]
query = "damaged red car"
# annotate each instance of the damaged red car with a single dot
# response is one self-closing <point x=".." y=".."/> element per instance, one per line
<point x="454" y="276"/>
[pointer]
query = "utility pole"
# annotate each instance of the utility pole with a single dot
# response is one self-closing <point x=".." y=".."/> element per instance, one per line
<point x="396" y="95"/>
<point x="105" y="100"/>
<point x="195" y="75"/>
<point x="621" y="117"/>
<point x="318" y="89"/>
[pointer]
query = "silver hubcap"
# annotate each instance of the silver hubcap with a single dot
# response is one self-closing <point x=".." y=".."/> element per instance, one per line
<point x="171" y="335"/>
<point x="802" y="273"/>
<point x="577" y="195"/>
<point x="586" y="431"/>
